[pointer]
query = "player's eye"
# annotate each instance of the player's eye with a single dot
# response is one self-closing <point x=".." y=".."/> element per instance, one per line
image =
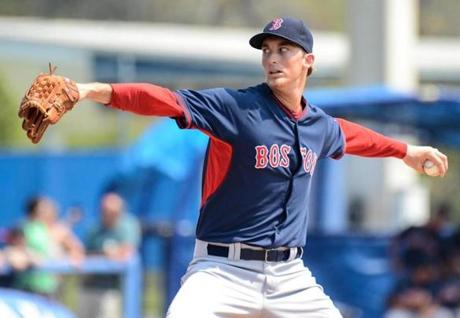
<point x="284" y="49"/>
<point x="265" y="50"/>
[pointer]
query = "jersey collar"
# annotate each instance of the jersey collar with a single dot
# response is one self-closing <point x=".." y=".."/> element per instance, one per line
<point x="296" y="116"/>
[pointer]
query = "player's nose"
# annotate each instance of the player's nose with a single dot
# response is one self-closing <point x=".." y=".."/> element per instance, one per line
<point x="273" y="59"/>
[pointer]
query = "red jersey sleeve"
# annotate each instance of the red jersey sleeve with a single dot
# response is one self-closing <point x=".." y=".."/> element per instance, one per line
<point x="146" y="99"/>
<point x="365" y="142"/>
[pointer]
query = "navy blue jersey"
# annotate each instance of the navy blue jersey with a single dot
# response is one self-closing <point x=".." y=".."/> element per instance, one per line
<point x="259" y="164"/>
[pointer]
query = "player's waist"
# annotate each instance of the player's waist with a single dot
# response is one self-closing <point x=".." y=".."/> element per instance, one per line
<point x="241" y="251"/>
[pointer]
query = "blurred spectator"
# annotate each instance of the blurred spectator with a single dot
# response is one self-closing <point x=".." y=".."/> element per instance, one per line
<point x="413" y="238"/>
<point x="415" y="295"/>
<point x="428" y="237"/>
<point x="39" y="240"/>
<point x="441" y="221"/>
<point x="50" y="239"/>
<point x="116" y="237"/>
<point x="449" y="294"/>
<point x="17" y="256"/>
<point x="64" y="243"/>
<point x="426" y="260"/>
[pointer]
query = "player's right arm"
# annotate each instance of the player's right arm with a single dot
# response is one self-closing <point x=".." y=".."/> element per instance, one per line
<point x="207" y="110"/>
<point x="97" y="92"/>
<point x="139" y="98"/>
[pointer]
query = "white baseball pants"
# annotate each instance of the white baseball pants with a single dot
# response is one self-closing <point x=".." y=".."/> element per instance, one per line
<point x="219" y="287"/>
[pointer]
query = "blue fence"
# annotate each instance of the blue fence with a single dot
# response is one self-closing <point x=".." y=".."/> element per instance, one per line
<point x="129" y="271"/>
<point x="74" y="179"/>
<point x="354" y="270"/>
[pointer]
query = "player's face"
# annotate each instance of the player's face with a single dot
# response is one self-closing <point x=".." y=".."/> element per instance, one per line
<point x="284" y="63"/>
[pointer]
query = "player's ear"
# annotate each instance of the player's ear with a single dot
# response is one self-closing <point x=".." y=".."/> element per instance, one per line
<point x="309" y="59"/>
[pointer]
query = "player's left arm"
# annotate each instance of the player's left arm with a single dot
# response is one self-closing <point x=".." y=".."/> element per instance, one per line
<point x="363" y="141"/>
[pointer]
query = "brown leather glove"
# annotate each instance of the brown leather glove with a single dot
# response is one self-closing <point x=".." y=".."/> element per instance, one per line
<point x="46" y="101"/>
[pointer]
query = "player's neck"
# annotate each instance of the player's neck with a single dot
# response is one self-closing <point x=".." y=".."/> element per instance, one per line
<point x="291" y="99"/>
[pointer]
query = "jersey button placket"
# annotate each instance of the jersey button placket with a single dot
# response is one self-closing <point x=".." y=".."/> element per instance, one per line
<point x="293" y="171"/>
<point x="298" y="153"/>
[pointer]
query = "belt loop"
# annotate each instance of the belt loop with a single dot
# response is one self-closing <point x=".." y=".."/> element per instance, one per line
<point x="200" y="249"/>
<point x="231" y="251"/>
<point x="234" y="251"/>
<point x="292" y="253"/>
<point x="237" y="251"/>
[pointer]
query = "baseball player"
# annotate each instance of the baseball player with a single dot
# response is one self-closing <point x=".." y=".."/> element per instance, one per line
<point x="264" y="145"/>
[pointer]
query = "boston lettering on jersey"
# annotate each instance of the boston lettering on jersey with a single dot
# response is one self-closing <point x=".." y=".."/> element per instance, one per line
<point x="277" y="156"/>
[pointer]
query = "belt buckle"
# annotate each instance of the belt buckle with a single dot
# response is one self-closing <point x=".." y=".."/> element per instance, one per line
<point x="267" y="251"/>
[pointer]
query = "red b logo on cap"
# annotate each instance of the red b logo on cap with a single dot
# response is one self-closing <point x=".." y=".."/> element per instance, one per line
<point x="276" y="24"/>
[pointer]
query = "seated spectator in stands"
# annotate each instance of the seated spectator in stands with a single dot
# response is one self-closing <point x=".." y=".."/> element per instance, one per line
<point x="16" y="257"/>
<point x="415" y="237"/>
<point x="65" y="244"/>
<point x="16" y="254"/>
<point x="415" y="295"/>
<point x="50" y="240"/>
<point x="440" y="221"/>
<point x="449" y="294"/>
<point x="39" y="240"/>
<point x="117" y="237"/>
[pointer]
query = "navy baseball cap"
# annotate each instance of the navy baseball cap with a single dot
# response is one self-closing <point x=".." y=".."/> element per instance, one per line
<point x="291" y="29"/>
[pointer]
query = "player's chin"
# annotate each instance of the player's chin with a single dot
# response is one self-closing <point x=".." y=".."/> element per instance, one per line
<point x="275" y="82"/>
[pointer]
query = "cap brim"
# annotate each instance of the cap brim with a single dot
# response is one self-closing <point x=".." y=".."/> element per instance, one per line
<point x="257" y="40"/>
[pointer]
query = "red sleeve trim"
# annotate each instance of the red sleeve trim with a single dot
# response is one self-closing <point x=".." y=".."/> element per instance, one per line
<point x="365" y="142"/>
<point x="146" y="99"/>
<point x="217" y="165"/>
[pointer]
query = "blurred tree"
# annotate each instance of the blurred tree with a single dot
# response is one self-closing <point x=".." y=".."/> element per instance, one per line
<point x="9" y="121"/>
<point x="439" y="17"/>
<point x="326" y="14"/>
<point x="436" y="17"/>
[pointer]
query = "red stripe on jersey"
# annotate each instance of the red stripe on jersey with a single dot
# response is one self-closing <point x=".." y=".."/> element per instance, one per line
<point x="365" y="142"/>
<point x="146" y="99"/>
<point x="294" y="115"/>
<point x="217" y="162"/>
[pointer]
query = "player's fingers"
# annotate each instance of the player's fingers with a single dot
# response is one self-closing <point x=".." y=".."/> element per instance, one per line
<point x="439" y="159"/>
<point x="441" y="162"/>
<point x="433" y="155"/>
<point x="444" y="160"/>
